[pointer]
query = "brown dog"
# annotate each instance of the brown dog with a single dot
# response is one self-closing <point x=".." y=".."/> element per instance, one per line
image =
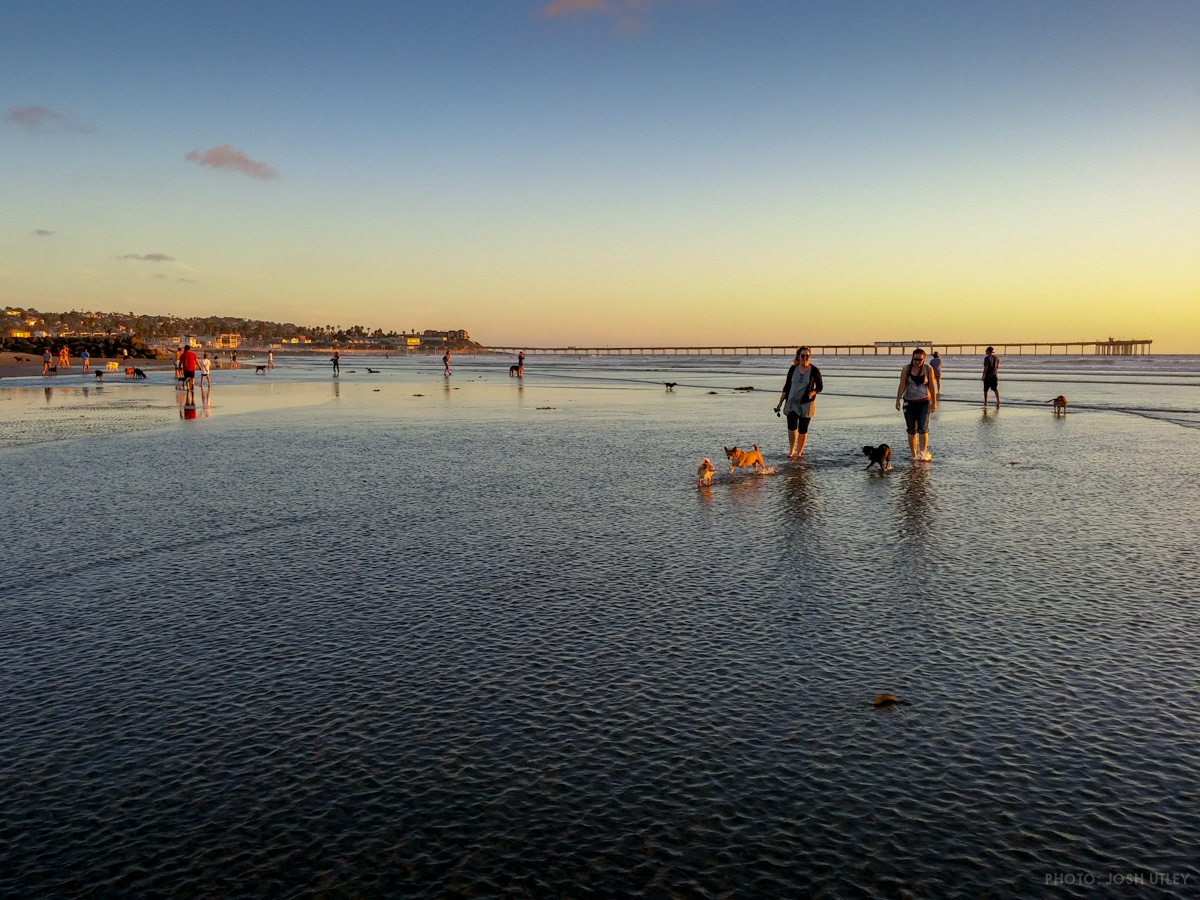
<point x="704" y="474"/>
<point x="744" y="459"/>
<point x="880" y="456"/>
<point x="1060" y="404"/>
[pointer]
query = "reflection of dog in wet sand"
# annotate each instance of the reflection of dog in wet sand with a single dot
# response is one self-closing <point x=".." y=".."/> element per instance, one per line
<point x="881" y="456"/>
<point x="744" y="459"/>
<point x="1060" y="404"/>
<point x="704" y="474"/>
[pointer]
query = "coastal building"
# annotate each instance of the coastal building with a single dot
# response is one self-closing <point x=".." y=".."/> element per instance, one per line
<point x="228" y="341"/>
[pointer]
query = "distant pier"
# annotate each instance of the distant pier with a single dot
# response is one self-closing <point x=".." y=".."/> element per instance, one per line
<point x="1111" y="347"/>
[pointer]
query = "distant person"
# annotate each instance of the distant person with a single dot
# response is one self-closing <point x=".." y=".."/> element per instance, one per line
<point x="936" y="365"/>
<point x="446" y="360"/>
<point x="64" y="358"/>
<point x="179" y="363"/>
<point x="521" y="364"/>
<point x="233" y="363"/>
<point x="46" y="360"/>
<point x="991" y="366"/>
<point x="336" y="359"/>
<point x="919" y="394"/>
<point x="205" y="369"/>
<point x="270" y="359"/>
<point x="798" y="400"/>
<point x="124" y="356"/>
<point x="86" y="359"/>
<point x="187" y="363"/>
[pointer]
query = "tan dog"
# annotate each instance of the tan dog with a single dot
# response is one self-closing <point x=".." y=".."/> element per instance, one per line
<point x="704" y="474"/>
<point x="1060" y="404"/>
<point x="130" y="371"/>
<point x="744" y="459"/>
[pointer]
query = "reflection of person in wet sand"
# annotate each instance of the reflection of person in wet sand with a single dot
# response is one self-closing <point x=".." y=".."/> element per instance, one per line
<point x="446" y="360"/>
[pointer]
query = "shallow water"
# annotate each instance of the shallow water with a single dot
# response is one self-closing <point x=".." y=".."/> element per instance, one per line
<point x="413" y="636"/>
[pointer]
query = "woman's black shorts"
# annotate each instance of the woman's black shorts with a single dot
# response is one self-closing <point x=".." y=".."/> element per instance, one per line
<point x="798" y="422"/>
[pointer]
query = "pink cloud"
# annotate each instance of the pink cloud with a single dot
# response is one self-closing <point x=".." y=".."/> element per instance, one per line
<point x="567" y="7"/>
<point x="149" y="257"/>
<point x="627" y="15"/>
<point x="42" y="119"/>
<point x="227" y="158"/>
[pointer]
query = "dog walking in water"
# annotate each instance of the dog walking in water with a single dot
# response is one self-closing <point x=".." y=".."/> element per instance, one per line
<point x="745" y="459"/>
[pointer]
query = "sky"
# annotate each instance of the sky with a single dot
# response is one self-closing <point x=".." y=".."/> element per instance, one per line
<point x="611" y="172"/>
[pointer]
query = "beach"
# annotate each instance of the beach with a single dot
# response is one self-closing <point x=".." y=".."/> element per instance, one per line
<point x="402" y="634"/>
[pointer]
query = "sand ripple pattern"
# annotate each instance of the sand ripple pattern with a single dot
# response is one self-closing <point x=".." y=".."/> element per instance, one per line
<point x="373" y="657"/>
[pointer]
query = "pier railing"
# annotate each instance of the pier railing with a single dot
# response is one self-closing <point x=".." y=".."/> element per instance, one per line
<point x="1110" y="347"/>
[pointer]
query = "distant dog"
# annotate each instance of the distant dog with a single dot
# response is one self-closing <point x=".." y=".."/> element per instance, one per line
<point x="881" y="456"/>
<point x="260" y="370"/>
<point x="130" y="371"/>
<point x="514" y="370"/>
<point x="1060" y="404"/>
<point x="670" y="385"/>
<point x="372" y="371"/>
<point x="112" y="366"/>
<point x="704" y="474"/>
<point x="53" y="370"/>
<point x="744" y="459"/>
<point x="99" y="376"/>
<point x="19" y="359"/>
<point x="138" y="373"/>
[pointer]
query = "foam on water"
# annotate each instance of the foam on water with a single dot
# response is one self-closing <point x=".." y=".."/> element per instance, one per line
<point x="409" y="636"/>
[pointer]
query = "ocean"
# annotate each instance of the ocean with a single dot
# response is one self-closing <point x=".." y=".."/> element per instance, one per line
<point x="409" y="635"/>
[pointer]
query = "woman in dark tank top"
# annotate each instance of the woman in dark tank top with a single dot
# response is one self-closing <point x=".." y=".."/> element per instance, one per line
<point x="920" y="399"/>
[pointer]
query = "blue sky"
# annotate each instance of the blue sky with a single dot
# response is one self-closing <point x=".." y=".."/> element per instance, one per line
<point x="590" y="171"/>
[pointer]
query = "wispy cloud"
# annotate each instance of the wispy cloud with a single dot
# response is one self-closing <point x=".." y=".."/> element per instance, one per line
<point x="627" y="15"/>
<point x="42" y="232"/>
<point x="227" y="158"/>
<point x="43" y="120"/>
<point x="187" y="280"/>
<point x="148" y="257"/>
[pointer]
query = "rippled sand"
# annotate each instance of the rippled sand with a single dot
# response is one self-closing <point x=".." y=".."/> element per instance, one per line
<point x="398" y="636"/>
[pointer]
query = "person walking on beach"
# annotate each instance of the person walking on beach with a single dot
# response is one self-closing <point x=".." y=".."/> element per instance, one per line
<point x="919" y="394"/>
<point x="446" y="360"/>
<point x="64" y="358"/>
<point x="270" y="359"/>
<point x="335" y="359"/>
<point x="46" y="358"/>
<point x="798" y="399"/>
<point x="991" y="365"/>
<point x="86" y="359"/>
<point x="178" y="364"/>
<point x="187" y="363"/>
<point x="205" y="368"/>
<point x="936" y="365"/>
<point x="521" y="364"/>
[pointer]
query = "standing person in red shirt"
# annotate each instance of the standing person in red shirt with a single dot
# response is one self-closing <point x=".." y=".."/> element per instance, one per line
<point x="188" y="363"/>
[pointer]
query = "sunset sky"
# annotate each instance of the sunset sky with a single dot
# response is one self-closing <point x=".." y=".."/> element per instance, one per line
<point x="611" y="171"/>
